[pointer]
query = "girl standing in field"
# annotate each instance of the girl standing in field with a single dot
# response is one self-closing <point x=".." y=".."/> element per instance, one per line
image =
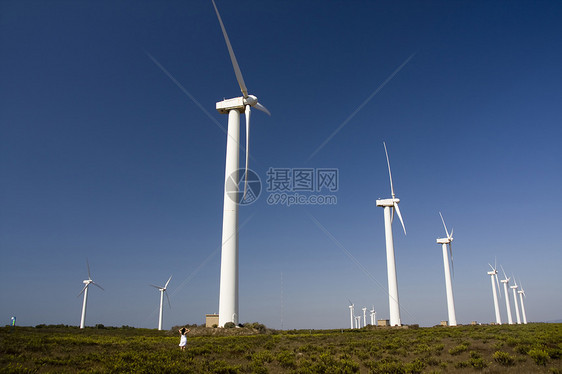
<point x="183" y="338"/>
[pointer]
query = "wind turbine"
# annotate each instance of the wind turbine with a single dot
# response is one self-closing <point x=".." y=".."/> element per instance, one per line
<point x="388" y="204"/>
<point x="84" y="291"/>
<point x="373" y="316"/>
<point x="351" y="306"/>
<point x="505" y="282"/>
<point x="357" y="322"/>
<point x="514" y="288"/>
<point x="162" y="292"/>
<point x="448" y="283"/>
<point x="228" y="298"/>
<point x="494" y="274"/>
<point x="364" y="316"/>
<point x="521" y="293"/>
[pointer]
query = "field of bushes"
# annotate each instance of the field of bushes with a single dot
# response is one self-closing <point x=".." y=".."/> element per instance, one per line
<point x="532" y="348"/>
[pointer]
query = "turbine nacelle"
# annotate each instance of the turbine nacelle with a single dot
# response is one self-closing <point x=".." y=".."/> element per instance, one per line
<point x="387" y="202"/>
<point x="444" y="240"/>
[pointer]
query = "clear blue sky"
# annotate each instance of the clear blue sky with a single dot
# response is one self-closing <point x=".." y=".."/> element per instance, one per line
<point x="103" y="156"/>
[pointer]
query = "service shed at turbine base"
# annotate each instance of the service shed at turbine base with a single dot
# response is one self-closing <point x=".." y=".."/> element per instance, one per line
<point x="211" y="320"/>
<point x="383" y="322"/>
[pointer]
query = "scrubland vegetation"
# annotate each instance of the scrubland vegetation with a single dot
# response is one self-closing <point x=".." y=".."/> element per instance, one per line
<point x="532" y="348"/>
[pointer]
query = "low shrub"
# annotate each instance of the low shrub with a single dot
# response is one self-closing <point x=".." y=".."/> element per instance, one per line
<point x="503" y="358"/>
<point x="540" y="356"/>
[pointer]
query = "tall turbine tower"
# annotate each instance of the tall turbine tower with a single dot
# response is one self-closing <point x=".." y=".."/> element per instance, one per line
<point x="162" y="292"/>
<point x="364" y="316"/>
<point x="87" y="283"/>
<point x="388" y="204"/>
<point x="505" y="282"/>
<point x="514" y="288"/>
<point x="351" y="306"/>
<point x="448" y="283"/>
<point x="373" y="316"/>
<point x="494" y="275"/>
<point x="521" y="293"/>
<point x="228" y="298"/>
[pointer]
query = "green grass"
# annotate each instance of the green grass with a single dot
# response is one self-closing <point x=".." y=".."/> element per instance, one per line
<point x="535" y="348"/>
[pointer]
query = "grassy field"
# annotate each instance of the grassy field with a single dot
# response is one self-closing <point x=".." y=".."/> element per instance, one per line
<point x="532" y="348"/>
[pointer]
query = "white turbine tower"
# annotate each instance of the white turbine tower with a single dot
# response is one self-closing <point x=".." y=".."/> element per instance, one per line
<point x="357" y="322"/>
<point x="505" y="282"/>
<point x="448" y="283"/>
<point x="162" y="292"/>
<point x="494" y="275"/>
<point x="521" y="293"/>
<point x="351" y="307"/>
<point x="364" y="316"/>
<point x="373" y="316"/>
<point x="87" y="283"/>
<point x="514" y="288"/>
<point x="388" y="205"/>
<point x="228" y="298"/>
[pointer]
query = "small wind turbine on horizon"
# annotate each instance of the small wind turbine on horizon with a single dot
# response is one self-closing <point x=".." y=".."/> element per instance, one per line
<point x="505" y="282"/>
<point x="514" y="288"/>
<point x="373" y="316"/>
<point x="494" y="274"/>
<point x="521" y="293"/>
<point x="351" y="312"/>
<point x="388" y="205"/>
<point x="228" y="298"/>
<point x="448" y="283"/>
<point x="364" y="316"/>
<point x="162" y="292"/>
<point x="84" y="291"/>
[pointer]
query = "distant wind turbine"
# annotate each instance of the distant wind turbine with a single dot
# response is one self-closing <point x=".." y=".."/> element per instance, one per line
<point x="364" y="316"/>
<point x="521" y="293"/>
<point x="228" y="298"/>
<point x="505" y="282"/>
<point x="448" y="283"/>
<point x="514" y="288"/>
<point x="84" y="291"/>
<point x="494" y="275"/>
<point x="388" y="205"/>
<point x="162" y="292"/>
<point x="373" y="316"/>
<point x="351" y="306"/>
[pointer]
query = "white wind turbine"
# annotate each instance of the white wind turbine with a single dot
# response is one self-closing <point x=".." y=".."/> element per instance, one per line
<point x="521" y="293"/>
<point x="448" y="283"/>
<point x="364" y="316"/>
<point x="162" y="292"/>
<point x="514" y="288"/>
<point x="84" y="291"/>
<point x="228" y="298"/>
<point x="505" y="282"/>
<point x="388" y="205"/>
<point x="494" y="274"/>
<point x="351" y="307"/>
<point x="373" y="316"/>
<point x="357" y="322"/>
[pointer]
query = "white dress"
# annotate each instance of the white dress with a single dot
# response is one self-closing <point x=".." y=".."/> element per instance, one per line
<point x="183" y="341"/>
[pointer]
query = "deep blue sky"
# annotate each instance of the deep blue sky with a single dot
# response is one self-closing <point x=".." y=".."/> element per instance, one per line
<point x="103" y="156"/>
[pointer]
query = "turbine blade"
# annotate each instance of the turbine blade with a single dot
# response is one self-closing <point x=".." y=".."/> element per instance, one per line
<point x="237" y="71"/>
<point x="389" y="172"/>
<point x="498" y="283"/>
<point x="155" y="286"/>
<point x="248" y="111"/>
<point x="83" y="289"/>
<point x="400" y="216"/>
<point x="97" y="285"/>
<point x="453" y="229"/>
<point x="168" y="298"/>
<point x="169" y="279"/>
<point x="392" y="216"/>
<point x="262" y="108"/>
<point x="445" y="226"/>
<point x="504" y="275"/>
<point x="491" y="267"/>
<point x="88" y="265"/>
